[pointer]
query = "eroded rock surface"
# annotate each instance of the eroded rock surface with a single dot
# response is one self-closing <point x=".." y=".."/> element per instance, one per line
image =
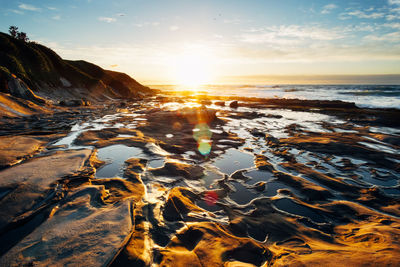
<point x="261" y="184"/>
<point x="83" y="232"/>
<point x="26" y="185"/>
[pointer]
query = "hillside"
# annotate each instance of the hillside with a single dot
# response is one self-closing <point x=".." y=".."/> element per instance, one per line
<point x="25" y="66"/>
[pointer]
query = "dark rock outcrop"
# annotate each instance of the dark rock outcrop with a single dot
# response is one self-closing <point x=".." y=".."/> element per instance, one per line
<point x="28" y="69"/>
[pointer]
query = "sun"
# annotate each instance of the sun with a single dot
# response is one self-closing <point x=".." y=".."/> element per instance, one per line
<point x="193" y="68"/>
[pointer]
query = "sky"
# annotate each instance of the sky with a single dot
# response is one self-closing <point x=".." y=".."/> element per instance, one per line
<point x="216" y="41"/>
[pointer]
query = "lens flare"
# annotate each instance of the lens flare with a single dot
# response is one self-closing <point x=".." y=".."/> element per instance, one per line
<point x="204" y="147"/>
<point x="202" y="134"/>
<point x="211" y="197"/>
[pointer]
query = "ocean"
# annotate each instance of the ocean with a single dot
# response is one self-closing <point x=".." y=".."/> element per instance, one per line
<point x="369" y="96"/>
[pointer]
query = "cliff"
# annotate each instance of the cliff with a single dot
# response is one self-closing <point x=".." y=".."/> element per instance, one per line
<point x="35" y="72"/>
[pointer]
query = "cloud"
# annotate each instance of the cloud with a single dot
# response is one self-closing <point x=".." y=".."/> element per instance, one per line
<point x="392" y="37"/>
<point x="107" y="19"/>
<point x="29" y="7"/>
<point x="19" y="12"/>
<point x="391" y="17"/>
<point x="361" y="15"/>
<point x="290" y="34"/>
<point x="393" y="25"/>
<point x="394" y="2"/>
<point x="113" y="65"/>
<point x="321" y="52"/>
<point x="328" y="8"/>
<point x="313" y="43"/>
<point x="143" y="24"/>
<point x="173" y="28"/>
<point x="57" y="17"/>
<point x="51" y="8"/>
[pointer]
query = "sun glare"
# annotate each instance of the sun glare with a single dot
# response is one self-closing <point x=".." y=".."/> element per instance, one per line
<point x="193" y="68"/>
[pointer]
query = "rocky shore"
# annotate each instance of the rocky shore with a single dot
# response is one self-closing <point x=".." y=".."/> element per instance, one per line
<point x="195" y="180"/>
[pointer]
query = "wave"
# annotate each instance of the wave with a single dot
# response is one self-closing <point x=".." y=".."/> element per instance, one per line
<point x="372" y="93"/>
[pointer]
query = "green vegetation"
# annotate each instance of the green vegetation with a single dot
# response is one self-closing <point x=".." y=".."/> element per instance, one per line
<point x="40" y="66"/>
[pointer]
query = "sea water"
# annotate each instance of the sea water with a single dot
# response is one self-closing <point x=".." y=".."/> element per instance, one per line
<point x="370" y="96"/>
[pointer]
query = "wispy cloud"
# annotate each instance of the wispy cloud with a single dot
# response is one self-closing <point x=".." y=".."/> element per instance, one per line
<point x="394" y="2"/>
<point x="394" y="13"/>
<point x="143" y="24"/>
<point x="16" y="11"/>
<point x="362" y="15"/>
<point x="328" y="8"/>
<point x="174" y="28"/>
<point x="290" y="34"/>
<point x="29" y="7"/>
<point x="393" y="25"/>
<point x="56" y="17"/>
<point x="393" y="37"/>
<point x="51" y="8"/>
<point x="107" y="19"/>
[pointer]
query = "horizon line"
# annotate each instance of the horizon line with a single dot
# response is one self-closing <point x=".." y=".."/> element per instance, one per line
<point x="330" y="79"/>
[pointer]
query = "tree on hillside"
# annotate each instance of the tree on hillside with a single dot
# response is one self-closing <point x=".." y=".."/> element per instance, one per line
<point x="13" y="30"/>
<point x="22" y="36"/>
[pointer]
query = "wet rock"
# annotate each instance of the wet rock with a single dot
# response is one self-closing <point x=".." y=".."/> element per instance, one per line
<point x="135" y="165"/>
<point x="211" y="244"/>
<point x="271" y="140"/>
<point x="233" y="104"/>
<point x="72" y="103"/>
<point x="120" y="189"/>
<point x="33" y="180"/>
<point x="176" y="168"/>
<point x="198" y="115"/>
<point x="341" y="144"/>
<point x="180" y="202"/>
<point x="257" y="133"/>
<point x="274" y="116"/>
<point x="108" y="137"/>
<point x="311" y="191"/>
<point x="260" y="186"/>
<point x="81" y="232"/>
<point x="262" y="163"/>
<point x="239" y="175"/>
<point x="333" y="182"/>
<point x="206" y="102"/>
<point x="16" y="148"/>
<point x="15" y="107"/>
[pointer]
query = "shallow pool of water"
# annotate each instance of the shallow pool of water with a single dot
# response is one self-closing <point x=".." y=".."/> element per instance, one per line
<point x="116" y="155"/>
<point x="233" y="160"/>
